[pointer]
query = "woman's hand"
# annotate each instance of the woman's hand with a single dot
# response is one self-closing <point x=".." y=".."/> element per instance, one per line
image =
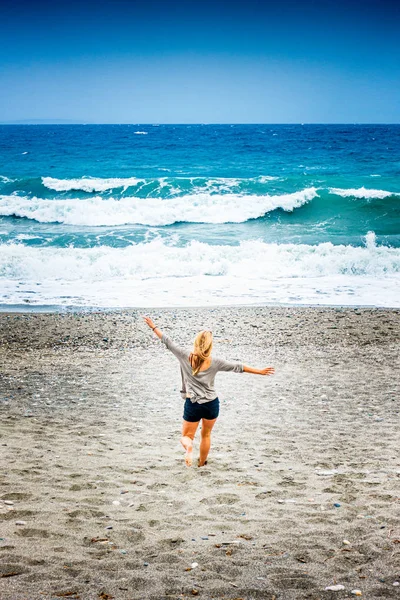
<point x="149" y="322"/>
<point x="267" y="371"/>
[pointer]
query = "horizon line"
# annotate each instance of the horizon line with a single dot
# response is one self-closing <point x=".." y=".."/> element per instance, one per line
<point x="160" y="124"/>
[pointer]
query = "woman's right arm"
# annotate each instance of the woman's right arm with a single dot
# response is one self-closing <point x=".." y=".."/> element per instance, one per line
<point x="156" y="330"/>
<point x="176" y="350"/>
<point x="266" y="371"/>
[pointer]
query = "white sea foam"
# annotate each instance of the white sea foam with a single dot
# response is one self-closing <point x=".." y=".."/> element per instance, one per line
<point x="266" y="178"/>
<point x="192" y="208"/>
<point x="98" y="184"/>
<point x="141" y="132"/>
<point x="89" y="184"/>
<point x="362" y="193"/>
<point x="27" y="236"/>
<point x="160" y="273"/>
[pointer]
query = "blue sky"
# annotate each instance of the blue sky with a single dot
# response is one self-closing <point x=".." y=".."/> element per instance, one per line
<point x="200" y="62"/>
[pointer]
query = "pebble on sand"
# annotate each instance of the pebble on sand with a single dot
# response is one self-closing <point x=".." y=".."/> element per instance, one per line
<point x="194" y="565"/>
<point x="8" y="502"/>
<point x="334" y="588"/>
<point x="356" y="592"/>
<point x="20" y="522"/>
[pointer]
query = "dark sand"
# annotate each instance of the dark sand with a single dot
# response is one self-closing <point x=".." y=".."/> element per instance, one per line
<point x="92" y="466"/>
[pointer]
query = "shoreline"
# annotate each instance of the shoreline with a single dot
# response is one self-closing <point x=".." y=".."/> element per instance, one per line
<point x="302" y="485"/>
<point x="76" y="309"/>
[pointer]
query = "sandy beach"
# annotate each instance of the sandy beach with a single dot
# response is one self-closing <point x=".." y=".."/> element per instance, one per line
<point x="302" y="487"/>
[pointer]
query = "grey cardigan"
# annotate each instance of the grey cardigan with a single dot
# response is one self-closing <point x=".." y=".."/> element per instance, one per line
<point x="199" y="388"/>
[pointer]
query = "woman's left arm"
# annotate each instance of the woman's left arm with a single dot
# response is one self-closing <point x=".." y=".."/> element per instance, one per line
<point x="266" y="371"/>
<point x="223" y="365"/>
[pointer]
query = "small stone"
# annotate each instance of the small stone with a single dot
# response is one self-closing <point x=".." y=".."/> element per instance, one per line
<point x="346" y="542"/>
<point x="195" y="592"/>
<point x="146" y="564"/>
<point x="8" y="502"/>
<point x="230" y="542"/>
<point x="20" y="522"/>
<point x="194" y="565"/>
<point x="334" y="588"/>
<point x="108" y="527"/>
<point x="123" y="551"/>
<point x="116" y="502"/>
<point x="204" y="538"/>
<point x="396" y="583"/>
<point x="356" y="592"/>
<point x="337" y="504"/>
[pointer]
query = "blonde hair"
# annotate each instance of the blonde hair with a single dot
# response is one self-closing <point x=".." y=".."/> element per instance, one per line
<point x="201" y="350"/>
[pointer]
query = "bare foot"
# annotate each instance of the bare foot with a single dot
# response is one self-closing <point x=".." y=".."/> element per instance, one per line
<point x="187" y="443"/>
<point x="203" y="465"/>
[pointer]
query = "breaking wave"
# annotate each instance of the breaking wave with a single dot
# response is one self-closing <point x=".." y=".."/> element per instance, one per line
<point x="191" y="208"/>
<point x="363" y="193"/>
<point x="250" y="259"/>
<point x="87" y="184"/>
<point x="159" y="272"/>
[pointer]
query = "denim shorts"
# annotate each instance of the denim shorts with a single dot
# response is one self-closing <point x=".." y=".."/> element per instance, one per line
<point x="194" y="412"/>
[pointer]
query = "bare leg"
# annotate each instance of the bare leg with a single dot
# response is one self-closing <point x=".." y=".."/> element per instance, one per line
<point x="206" y="428"/>
<point x="188" y="432"/>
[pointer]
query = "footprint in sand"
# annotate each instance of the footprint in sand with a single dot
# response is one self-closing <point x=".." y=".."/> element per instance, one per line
<point x="291" y="580"/>
<point x="174" y="542"/>
<point x="11" y="570"/>
<point x="16" y="496"/>
<point x="134" y="536"/>
<point x="33" y="533"/>
<point x="221" y="499"/>
<point x="157" y="486"/>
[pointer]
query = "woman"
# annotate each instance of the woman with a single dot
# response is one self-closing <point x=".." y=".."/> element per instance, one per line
<point x="198" y="370"/>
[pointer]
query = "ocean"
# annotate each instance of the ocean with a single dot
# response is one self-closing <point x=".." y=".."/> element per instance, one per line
<point x="199" y="215"/>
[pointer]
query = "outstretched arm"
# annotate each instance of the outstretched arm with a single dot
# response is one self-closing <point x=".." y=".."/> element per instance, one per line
<point x="266" y="371"/>
<point x="176" y="350"/>
<point x="237" y="367"/>
<point x="156" y="330"/>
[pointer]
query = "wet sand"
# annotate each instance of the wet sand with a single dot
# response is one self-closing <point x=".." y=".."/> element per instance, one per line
<point x="302" y="487"/>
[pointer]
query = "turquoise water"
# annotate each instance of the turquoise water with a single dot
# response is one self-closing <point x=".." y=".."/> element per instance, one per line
<point x="137" y="215"/>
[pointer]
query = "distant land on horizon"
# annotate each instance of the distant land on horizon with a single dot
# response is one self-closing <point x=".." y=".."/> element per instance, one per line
<point x="45" y="122"/>
<point x="155" y="124"/>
